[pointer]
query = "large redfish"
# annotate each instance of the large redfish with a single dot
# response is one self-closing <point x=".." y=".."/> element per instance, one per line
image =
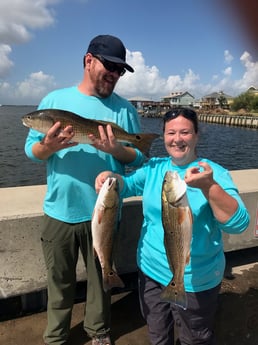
<point x="104" y="224"/>
<point x="177" y="224"/>
<point x="43" y="120"/>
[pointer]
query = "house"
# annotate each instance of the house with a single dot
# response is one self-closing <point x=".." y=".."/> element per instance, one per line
<point x="140" y="103"/>
<point x="253" y="90"/>
<point x="179" y="99"/>
<point x="216" y="100"/>
<point x="148" y="107"/>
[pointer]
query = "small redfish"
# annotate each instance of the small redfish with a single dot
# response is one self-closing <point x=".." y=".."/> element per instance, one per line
<point x="104" y="224"/>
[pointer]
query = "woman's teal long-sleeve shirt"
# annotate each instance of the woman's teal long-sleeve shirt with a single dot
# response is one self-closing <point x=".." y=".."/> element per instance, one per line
<point x="207" y="262"/>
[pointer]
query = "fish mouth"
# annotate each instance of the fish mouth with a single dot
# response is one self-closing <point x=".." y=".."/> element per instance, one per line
<point x="111" y="181"/>
<point x="24" y="123"/>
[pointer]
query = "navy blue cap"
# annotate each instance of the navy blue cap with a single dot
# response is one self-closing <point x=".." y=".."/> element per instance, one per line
<point x="110" y="48"/>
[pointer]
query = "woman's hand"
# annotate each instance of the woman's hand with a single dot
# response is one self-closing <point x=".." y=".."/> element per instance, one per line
<point x="101" y="178"/>
<point x="202" y="179"/>
<point x="222" y="204"/>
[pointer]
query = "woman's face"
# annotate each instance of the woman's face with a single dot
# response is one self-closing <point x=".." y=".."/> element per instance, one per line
<point x="180" y="140"/>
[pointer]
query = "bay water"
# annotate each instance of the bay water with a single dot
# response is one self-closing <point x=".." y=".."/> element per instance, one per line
<point x="233" y="147"/>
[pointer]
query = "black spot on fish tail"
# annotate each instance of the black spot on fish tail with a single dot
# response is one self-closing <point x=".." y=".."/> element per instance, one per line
<point x="175" y="293"/>
<point x="144" y="141"/>
<point x="112" y="280"/>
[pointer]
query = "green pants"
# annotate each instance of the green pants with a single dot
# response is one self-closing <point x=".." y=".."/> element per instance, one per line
<point x="61" y="243"/>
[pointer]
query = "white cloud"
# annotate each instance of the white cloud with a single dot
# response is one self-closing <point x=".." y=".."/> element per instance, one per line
<point x="250" y="76"/>
<point x="18" y="17"/>
<point x="28" y="91"/>
<point x="145" y="78"/>
<point x="227" y="71"/>
<point x="35" y="87"/>
<point x="146" y="81"/>
<point x="5" y="63"/>
<point x="228" y="57"/>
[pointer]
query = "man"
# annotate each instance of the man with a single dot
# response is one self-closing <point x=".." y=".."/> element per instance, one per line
<point x="70" y="197"/>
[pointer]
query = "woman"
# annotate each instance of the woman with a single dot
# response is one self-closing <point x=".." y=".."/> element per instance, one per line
<point x="216" y="206"/>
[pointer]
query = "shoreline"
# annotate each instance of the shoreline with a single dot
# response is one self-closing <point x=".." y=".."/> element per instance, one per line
<point x="249" y="120"/>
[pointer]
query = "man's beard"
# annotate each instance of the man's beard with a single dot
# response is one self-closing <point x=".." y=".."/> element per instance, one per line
<point x="103" y="88"/>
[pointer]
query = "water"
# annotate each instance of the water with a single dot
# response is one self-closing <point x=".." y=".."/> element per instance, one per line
<point x="234" y="148"/>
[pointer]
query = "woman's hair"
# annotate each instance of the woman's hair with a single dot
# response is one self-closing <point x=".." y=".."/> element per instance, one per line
<point x="185" y="112"/>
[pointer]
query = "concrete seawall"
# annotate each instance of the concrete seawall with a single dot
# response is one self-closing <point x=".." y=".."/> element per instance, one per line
<point x="247" y="121"/>
<point x="22" y="268"/>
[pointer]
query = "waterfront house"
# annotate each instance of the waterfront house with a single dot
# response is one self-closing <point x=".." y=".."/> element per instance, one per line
<point x="179" y="99"/>
<point x="149" y="108"/>
<point x="253" y="90"/>
<point x="216" y="100"/>
<point x="140" y="103"/>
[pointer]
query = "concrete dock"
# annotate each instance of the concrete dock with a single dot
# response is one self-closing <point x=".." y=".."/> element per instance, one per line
<point x="236" y="322"/>
<point x="128" y="326"/>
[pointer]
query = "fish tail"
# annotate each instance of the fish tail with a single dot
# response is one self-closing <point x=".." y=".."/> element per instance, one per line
<point x="144" y="142"/>
<point x="111" y="280"/>
<point x="176" y="294"/>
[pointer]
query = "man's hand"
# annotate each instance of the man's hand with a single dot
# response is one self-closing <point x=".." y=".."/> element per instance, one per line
<point x="56" y="139"/>
<point x="107" y="141"/>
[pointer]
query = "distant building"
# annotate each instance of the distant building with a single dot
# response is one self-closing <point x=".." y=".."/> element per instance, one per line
<point x="141" y="103"/>
<point x="148" y="107"/>
<point x="216" y="100"/>
<point x="179" y="99"/>
<point x="253" y="90"/>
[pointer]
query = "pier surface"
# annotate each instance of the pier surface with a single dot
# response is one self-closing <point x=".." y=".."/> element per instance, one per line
<point x="236" y="321"/>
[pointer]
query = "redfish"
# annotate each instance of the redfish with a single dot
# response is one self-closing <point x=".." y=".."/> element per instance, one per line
<point x="104" y="224"/>
<point x="43" y="120"/>
<point x="177" y="223"/>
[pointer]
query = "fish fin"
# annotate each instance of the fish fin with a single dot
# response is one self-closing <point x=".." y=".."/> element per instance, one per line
<point x="112" y="124"/>
<point x="111" y="280"/>
<point x="144" y="141"/>
<point x="182" y="215"/>
<point x="101" y="212"/>
<point x="175" y="293"/>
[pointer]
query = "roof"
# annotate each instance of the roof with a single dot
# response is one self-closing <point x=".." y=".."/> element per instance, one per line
<point x="217" y="95"/>
<point x="139" y="99"/>
<point x="177" y="95"/>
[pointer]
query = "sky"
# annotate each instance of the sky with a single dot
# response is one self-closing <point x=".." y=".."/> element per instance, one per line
<point x="199" y="46"/>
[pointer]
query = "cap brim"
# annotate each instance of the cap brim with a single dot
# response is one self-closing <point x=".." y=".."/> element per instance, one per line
<point x="118" y="60"/>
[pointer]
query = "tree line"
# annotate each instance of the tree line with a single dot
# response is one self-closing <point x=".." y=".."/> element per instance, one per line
<point x="246" y="101"/>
